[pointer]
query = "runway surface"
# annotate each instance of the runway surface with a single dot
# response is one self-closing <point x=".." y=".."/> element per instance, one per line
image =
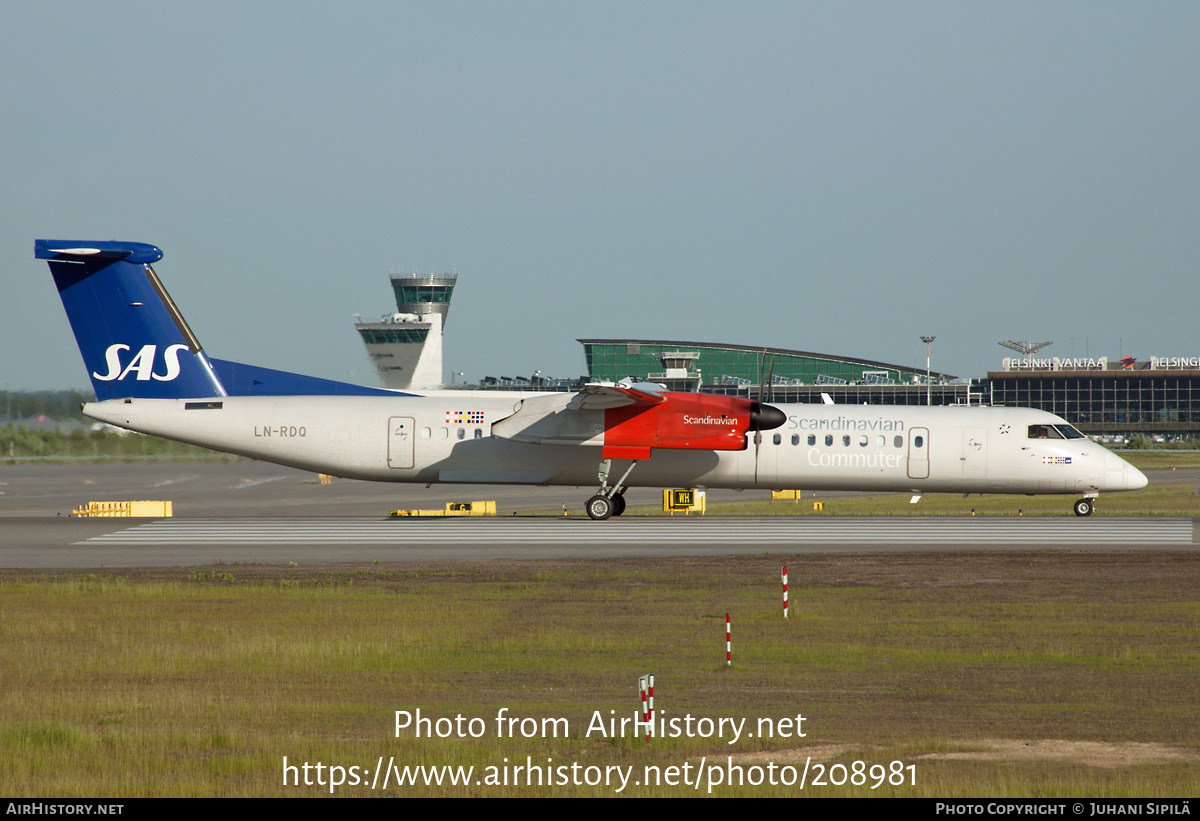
<point x="248" y="512"/>
<point x="194" y="542"/>
<point x="783" y="533"/>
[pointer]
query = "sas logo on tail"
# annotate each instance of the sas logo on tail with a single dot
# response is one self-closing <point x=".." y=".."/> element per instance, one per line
<point x="142" y="363"/>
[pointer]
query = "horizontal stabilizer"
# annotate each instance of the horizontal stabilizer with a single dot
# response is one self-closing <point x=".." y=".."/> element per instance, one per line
<point x="73" y="249"/>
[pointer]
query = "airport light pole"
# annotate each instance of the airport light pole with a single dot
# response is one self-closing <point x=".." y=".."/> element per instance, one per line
<point x="928" y="385"/>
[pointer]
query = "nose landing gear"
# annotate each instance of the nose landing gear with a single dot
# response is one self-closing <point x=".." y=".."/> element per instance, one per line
<point x="1084" y="507"/>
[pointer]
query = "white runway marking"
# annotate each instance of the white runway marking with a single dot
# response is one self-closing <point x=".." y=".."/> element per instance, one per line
<point x="774" y="533"/>
<point x="176" y="480"/>
<point x="247" y="483"/>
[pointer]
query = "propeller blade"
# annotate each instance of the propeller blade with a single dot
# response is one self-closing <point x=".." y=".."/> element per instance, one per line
<point x="756" y="411"/>
<point x="770" y="381"/>
<point x="763" y="416"/>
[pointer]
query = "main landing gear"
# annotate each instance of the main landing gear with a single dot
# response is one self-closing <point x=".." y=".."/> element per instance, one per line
<point x="1084" y="507"/>
<point x="610" y="501"/>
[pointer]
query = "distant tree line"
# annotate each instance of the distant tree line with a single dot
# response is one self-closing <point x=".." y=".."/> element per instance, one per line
<point x="48" y="425"/>
<point x="60" y="406"/>
<point x="18" y="443"/>
<point x="1140" y="441"/>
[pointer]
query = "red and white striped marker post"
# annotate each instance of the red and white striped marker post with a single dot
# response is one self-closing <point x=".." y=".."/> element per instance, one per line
<point x="785" y="609"/>
<point x="728" y="644"/>
<point x="642" y="685"/>
<point x="646" y="690"/>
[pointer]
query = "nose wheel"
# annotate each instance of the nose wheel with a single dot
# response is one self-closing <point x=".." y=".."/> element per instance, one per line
<point x="1084" y="507"/>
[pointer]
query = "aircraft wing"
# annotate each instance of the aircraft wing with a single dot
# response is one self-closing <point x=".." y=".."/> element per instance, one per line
<point x="602" y="397"/>
<point x="628" y="421"/>
<point x="558" y="419"/>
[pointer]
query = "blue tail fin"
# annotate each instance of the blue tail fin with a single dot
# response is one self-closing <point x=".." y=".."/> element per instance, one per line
<point x="134" y="341"/>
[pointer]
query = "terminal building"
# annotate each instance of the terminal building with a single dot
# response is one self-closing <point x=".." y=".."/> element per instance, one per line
<point x="744" y="370"/>
<point x="406" y="346"/>
<point x="1158" y="397"/>
<point x="790" y="376"/>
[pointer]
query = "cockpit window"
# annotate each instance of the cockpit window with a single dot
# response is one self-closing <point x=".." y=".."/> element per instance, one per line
<point x="1044" y="432"/>
<point x="1069" y="432"/>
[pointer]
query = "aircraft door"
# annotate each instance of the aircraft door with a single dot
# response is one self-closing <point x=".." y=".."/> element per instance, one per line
<point x="974" y="453"/>
<point x="401" y="435"/>
<point x="918" y="453"/>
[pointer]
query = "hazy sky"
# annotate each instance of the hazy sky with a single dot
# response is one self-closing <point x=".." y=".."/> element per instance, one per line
<point x="838" y="177"/>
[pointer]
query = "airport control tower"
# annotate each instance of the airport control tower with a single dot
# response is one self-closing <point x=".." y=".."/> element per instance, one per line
<point x="406" y="347"/>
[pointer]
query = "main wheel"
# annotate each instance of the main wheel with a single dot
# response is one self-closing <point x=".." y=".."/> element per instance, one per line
<point x="618" y="504"/>
<point x="1084" y="507"/>
<point x="599" y="507"/>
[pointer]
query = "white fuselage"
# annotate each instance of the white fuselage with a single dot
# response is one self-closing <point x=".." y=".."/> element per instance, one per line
<point x="448" y="438"/>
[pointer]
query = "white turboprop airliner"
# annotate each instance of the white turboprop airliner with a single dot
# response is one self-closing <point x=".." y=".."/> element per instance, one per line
<point x="151" y="375"/>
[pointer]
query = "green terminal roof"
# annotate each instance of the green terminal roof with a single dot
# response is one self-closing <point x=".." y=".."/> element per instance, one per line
<point x="613" y="359"/>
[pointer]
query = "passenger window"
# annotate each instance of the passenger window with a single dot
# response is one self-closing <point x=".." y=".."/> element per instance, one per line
<point x="845" y="441"/>
<point x="478" y="433"/>
<point x="777" y="439"/>
<point x="919" y="441"/>
<point x="862" y="441"/>
<point x="812" y="439"/>
<point x="880" y="441"/>
<point x="898" y="441"/>
<point x="795" y="438"/>
<point x="443" y="433"/>
<point x="425" y="433"/>
<point x="461" y="433"/>
<point x="828" y="440"/>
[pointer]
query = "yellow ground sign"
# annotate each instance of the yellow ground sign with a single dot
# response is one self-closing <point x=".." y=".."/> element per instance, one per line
<point x="454" y="509"/>
<point x="686" y="500"/>
<point x="156" y="510"/>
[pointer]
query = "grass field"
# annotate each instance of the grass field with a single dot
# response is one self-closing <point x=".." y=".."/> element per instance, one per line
<point x="1165" y="458"/>
<point x="988" y="673"/>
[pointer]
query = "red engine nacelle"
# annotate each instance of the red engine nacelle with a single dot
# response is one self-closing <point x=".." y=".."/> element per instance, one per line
<point x="684" y="421"/>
